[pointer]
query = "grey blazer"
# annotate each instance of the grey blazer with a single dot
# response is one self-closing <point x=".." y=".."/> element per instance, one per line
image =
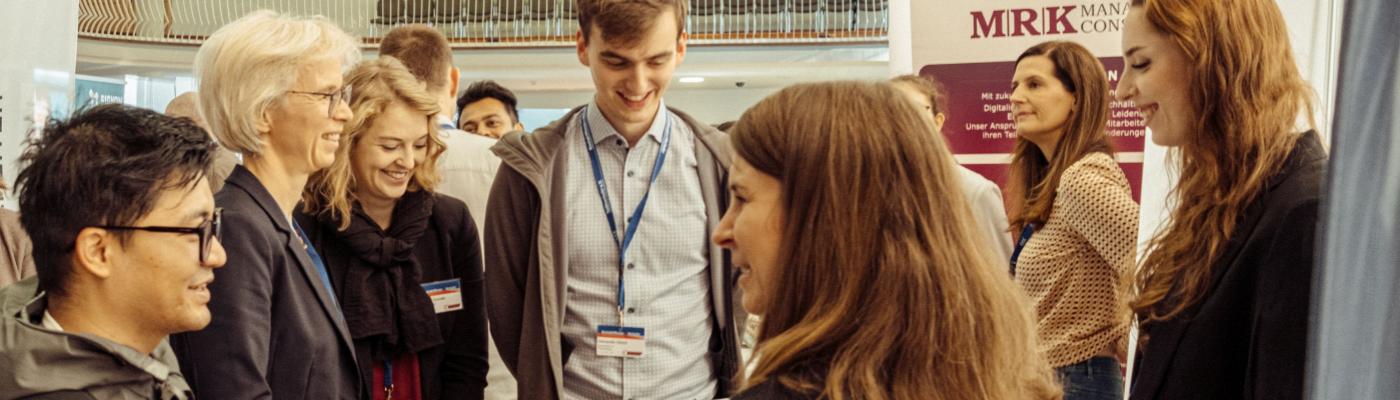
<point x="276" y="330"/>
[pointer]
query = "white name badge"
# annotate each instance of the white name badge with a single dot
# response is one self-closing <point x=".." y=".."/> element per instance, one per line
<point x="446" y="295"/>
<point x="621" y="341"/>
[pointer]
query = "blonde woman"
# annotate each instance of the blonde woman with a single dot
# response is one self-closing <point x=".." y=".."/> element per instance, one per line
<point x="852" y="241"/>
<point x="1225" y="288"/>
<point x="270" y="87"/>
<point x="405" y="261"/>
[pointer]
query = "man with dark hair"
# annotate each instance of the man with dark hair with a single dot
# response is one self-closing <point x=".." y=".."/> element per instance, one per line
<point x="604" y="282"/>
<point x="117" y="203"/>
<point x="467" y="167"/>
<point x="488" y="109"/>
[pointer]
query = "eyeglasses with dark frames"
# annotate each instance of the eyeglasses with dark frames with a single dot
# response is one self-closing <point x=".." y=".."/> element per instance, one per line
<point x="335" y="98"/>
<point x="208" y="230"/>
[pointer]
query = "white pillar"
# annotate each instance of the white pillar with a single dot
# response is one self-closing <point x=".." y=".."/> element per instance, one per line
<point x="39" y="39"/>
<point x="901" y="38"/>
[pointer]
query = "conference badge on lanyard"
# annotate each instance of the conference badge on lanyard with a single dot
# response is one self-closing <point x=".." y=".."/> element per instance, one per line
<point x="621" y="340"/>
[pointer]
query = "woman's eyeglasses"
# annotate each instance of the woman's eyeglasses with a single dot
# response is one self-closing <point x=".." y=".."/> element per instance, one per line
<point x="335" y="98"/>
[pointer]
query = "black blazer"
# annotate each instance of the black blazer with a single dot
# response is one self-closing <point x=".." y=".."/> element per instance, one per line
<point x="770" y="390"/>
<point x="1247" y="339"/>
<point x="449" y="249"/>
<point x="275" y="333"/>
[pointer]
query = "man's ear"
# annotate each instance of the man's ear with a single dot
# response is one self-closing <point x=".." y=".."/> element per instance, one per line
<point x="454" y="78"/>
<point x="680" y="47"/>
<point x="92" y="252"/>
<point x="581" y="47"/>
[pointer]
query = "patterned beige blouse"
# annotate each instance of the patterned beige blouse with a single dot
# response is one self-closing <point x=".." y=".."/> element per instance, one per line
<point x="1073" y="267"/>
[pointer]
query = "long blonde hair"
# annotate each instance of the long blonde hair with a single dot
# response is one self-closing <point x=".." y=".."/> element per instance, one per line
<point x="374" y="85"/>
<point x="881" y="293"/>
<point x="1248" y="94"/>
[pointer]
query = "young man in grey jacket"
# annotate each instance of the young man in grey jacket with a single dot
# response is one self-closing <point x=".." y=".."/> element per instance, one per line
<point x="125" y="245"/>
<point x="601" y="280"/>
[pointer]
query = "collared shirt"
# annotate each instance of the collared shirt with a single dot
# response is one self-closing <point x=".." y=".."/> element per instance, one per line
<point x="467" y="167"/>
<point x="667" y="280"/>
<point x="50" y="323"/>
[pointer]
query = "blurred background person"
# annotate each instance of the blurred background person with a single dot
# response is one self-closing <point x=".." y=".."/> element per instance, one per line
<point x="271" y="89"/>
<point x="488" y="109"/>
<point x="1225" y="289"/>
<point x="16" y="250"/>
<point x="1075" y="215"/>
<point x="125" y="261"/>
<point x="467" y="166"/>
<point x="982" y="195"/>
<point x="852" y="242"/>
<point x="187" y="105"/>
<point x="405" y="261"/>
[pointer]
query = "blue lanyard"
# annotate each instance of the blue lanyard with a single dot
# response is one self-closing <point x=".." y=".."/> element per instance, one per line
<point x="1021" y="244"/>
<point x="602" y="185"/>
<point x="388" y="379"/>
<point x="317" y="262"/>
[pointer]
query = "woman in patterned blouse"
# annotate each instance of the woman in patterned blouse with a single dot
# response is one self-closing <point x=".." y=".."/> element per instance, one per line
<point x="1073" y="215"/>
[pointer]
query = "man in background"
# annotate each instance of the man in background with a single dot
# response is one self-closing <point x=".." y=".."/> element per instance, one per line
<point x="187" y="105"/>
<point x="488" y="109"/>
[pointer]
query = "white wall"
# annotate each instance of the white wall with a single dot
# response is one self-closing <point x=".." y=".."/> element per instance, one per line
<point x="38" y="39"/>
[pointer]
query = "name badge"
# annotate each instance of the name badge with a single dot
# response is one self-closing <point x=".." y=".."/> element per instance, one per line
<point x="446" y="295"/>
<point x="621" y="341"/>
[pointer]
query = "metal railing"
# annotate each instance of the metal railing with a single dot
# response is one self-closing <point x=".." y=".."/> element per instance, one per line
<point x="491" y="23"/>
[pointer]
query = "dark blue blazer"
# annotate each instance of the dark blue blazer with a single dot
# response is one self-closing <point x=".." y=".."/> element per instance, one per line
<point x="276" y="331"/>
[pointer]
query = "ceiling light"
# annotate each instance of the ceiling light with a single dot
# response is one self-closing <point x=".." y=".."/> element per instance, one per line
<point x="692" y="79"/>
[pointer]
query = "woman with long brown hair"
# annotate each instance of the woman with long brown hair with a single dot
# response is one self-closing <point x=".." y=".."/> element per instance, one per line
<point x="405" y="262"/>
<point x="1075" y="215"/>
<point x="1224" y="289"/>
<point x="854" y="245"/>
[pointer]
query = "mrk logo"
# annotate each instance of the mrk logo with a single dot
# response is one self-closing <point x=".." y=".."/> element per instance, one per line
<point x="1022" y="22"/>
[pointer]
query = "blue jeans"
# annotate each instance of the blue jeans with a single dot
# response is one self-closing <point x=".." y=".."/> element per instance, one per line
<point x="1097" y="378"/>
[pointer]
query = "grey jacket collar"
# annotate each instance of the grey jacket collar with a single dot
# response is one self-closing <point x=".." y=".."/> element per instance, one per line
<point x="43" y="360"/>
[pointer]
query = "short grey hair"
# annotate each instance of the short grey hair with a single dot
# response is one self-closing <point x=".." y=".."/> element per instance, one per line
<point x="248" y="64"/>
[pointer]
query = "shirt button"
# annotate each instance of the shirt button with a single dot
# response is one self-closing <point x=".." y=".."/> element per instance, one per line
<point x="631" y="266"/>
<point x="631" y="310"/>
<point x="631" y="173"/>
<point x="619" y="142"/>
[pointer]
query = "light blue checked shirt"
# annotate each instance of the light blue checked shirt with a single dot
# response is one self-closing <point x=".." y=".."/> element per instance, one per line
<point x="667" y="282"/>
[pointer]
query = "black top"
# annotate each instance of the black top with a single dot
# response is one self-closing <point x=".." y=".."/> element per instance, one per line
<point x="449" y="249"/>
<point x="770" y="390"/>
<point x="276" y="332"/>
<point x="1247" y="338"/>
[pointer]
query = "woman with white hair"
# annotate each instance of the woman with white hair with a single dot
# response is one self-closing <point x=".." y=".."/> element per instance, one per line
<point x="271" y="88"/>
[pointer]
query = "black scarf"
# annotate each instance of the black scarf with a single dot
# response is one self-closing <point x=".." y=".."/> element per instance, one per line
<point x="381" y="298"/>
